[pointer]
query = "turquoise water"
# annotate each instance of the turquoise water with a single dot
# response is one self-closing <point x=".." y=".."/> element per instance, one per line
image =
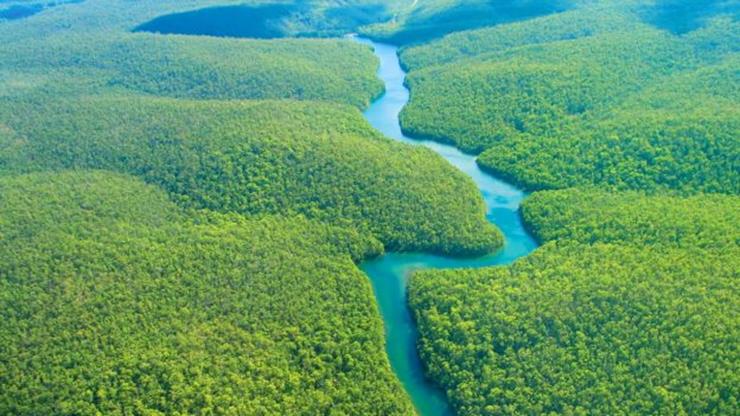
<point x="389" y="273"/>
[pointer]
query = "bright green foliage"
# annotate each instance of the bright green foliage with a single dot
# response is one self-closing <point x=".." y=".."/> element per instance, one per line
<point x="586" y="330"/>
<point x="590" y="96"/>
<point x="679" y="134"/>
<point x="531" y="90"/>
<point x="67" y="41"/>
<point x="320" y="160"/>
<point x="209" y="68"/>
<point x="180" y="66"/>
<point x="558" y="27"/>
<point x="589" y="215"/>
<point x="115" y="302"/>
<point x="647" y="150"/>
<point x="631" y="307"/>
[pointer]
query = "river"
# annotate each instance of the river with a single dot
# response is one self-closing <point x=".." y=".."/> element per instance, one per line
<point x="389" y="274"/>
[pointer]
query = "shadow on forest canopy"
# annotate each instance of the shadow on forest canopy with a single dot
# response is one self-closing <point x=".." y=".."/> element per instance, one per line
<point x="241" y="21"/>
<point x="21" y="11"/>
<point x="268" y="21"/>
<point x="683" y="16"/>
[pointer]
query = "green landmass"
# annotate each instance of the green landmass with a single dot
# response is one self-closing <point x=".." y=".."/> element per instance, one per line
<point x="181" y="217"/>
<point x="630" y="307"/>
<point x="590" y="215"/>
<point x="591" y="96"/>
<point x="419" y="21"/>
<point x="626" y="113"/>
<point x="183" y="206"/>
<point x="116" y="301"/>
<point x="601" y="329"/>
<point x="260" y="157"/>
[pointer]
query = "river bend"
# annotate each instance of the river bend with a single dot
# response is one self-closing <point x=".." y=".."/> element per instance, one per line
<point x="389" y="273"/>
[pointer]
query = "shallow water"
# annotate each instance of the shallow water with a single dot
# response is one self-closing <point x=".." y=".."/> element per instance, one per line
<point x="389" y="273"/>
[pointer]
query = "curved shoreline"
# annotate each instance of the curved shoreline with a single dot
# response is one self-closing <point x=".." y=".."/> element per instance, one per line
<point x="389" y="273"/>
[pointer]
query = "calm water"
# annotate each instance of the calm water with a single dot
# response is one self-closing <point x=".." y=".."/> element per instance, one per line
<point x="389" y="273"/>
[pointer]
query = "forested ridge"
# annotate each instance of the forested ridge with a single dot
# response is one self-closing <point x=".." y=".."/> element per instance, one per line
<point x="543" y="100"/>
<point x="591" y="215"/>
<point x="630" y="307"/>
<point x="116" y="301"/>
<point x="90" y="45"/>
<point x="586" y="330"/>
<point x="261" y="157"/>
<point x="624" y="117"/>
<point x="184" y="202"/>
<point x="424" y="20"/>
<point x="181" y="217"/>
<point x="201" y="67"/>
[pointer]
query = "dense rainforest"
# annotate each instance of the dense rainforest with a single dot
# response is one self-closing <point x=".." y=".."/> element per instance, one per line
<point x="257" y="157"/>
<point x="596" y="329"/>
<point x="181" y="218"/>
<point x="630" y="308"/>
<point x="591" y="96"/>
<point x="625" y="116"/>
<point x="116" y="301"/>
<point x="188" y="187"/>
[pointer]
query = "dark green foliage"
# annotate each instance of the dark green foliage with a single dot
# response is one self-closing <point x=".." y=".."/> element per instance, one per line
<point x="681" y="16"/>
<point x="19" y="11"/>
<point x="115" y="302"/>
<point x="428" y="19"/>
<point x="590" y="215"/>
<point x="319" y="160"/>
<point x="261" y="21"/>
<point x="586" y="330"/>
<point x="590" y="96"/>
<point x="353" y="16"/>
<point x="272" y="20"/>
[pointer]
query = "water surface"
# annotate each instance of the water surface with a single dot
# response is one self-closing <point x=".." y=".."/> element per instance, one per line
<point x="389" y="274"/>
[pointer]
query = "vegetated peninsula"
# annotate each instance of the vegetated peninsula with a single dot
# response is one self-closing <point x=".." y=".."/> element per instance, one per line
<point x="188" y="191"/>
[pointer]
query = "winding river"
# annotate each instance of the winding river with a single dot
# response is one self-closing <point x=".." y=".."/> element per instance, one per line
<point x="389" y="274"/>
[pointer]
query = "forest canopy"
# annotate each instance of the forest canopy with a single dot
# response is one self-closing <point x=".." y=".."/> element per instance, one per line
<point x="630" y="307"/>
<point x="589" y="96"/>
<point x="185" y="199"/>
<point x="115" y="301"/>
<point x="261" y="157"/>
<point x="629" y="118"/>
<point x="586" y="330"/>
<point x="181" y="217"/>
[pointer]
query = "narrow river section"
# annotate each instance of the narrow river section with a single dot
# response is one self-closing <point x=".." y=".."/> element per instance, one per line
<point x="389" y="274"/>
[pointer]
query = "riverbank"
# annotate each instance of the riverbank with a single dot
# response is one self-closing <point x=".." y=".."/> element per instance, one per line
<point x="389" y="274"/>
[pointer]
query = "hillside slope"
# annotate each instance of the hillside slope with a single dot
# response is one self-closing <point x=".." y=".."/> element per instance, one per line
<point x="115" y="301"/>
